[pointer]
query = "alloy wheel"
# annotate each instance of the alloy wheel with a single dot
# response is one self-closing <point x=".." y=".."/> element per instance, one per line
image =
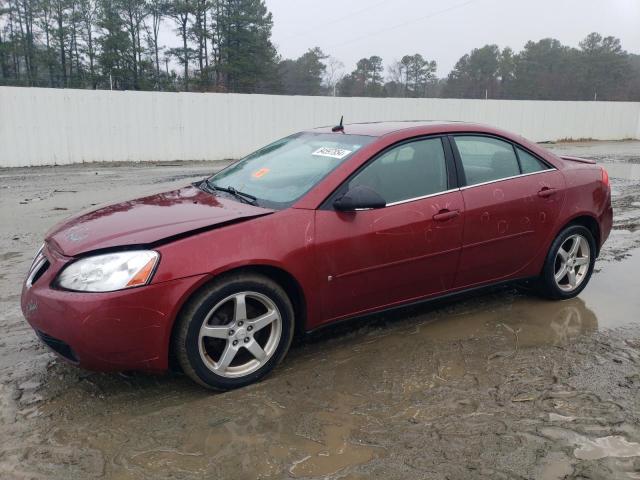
<point x="572" y="263"/>
<point x="240" y="334"/>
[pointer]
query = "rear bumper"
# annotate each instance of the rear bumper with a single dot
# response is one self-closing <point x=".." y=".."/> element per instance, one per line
<point x="606" y="224"/>
<point x="115" y="331"/>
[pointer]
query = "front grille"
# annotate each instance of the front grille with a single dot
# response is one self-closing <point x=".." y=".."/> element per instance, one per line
<point x="38" y="273"/>
<point x="40" y="265"/>
<point x="58" y="346"/>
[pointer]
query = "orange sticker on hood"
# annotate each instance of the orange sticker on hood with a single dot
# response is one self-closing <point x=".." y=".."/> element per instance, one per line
<point x="260" y="173"/>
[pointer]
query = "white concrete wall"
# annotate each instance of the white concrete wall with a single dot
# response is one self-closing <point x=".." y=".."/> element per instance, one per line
<point x="54" y="126"/>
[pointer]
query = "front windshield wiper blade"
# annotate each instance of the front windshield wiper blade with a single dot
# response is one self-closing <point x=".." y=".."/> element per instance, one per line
<point x="204" y="185"/>
<point x="245" y="197"/>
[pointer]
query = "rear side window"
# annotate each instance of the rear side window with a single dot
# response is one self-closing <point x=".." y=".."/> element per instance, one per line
<point x="485" y="159"/>
<point x="529" y="163"/>
<point x="408" y="171"/>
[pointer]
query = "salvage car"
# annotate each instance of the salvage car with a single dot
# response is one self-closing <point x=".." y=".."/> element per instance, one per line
<point x="321" y="226"/>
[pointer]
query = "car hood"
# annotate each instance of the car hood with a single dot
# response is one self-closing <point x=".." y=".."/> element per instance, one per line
<point x="148" y="220"/>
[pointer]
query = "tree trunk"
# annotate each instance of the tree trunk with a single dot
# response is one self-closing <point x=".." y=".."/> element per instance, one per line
<point x="4" y="68"/>
<point x="63" y="56"/>
<point x="23" y="41"/>
<point x="157" y="53"/>
<point x="49" y="62"/>
<point x="204" y="34"/>
<point x="134" y="47"/>
<point x="186" y="54"/>
<point x="14" y="53"/>
<point x="92" y="70"/>
<point x="28" y="23"/>
<point x="74" y="43"/>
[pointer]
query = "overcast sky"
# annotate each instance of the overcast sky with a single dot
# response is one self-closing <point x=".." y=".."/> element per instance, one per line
<point x="443" y="30"/>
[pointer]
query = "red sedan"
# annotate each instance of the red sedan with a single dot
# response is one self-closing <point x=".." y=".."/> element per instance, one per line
<point x="317" y="227"/>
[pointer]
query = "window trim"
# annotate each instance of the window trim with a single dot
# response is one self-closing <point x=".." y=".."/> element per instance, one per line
<point x="462" y="179"/>
<point x="414" y="199"/>
<point x="450" y="167"/>
<point x="517" y="146"/>
<point x="466" y="187"/>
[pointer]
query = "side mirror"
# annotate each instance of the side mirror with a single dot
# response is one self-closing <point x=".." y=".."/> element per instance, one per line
<point x="359" y="197"/>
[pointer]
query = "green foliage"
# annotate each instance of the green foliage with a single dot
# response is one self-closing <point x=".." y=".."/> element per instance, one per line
<point x="413" y="76"/>
<point x="247" y="56"/>
<point x="114" y="45"/>
<point x="225" y="46"/>
<point x="605" y="68"/>
<point x="365" y="81"/>
<point x="547" y="70"/>
<point x="304" y="75"/>
<point x="475" y="75"/>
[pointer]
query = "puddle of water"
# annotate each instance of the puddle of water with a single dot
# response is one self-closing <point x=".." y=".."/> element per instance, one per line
<point x="554" y="417"/>
<point x="594" y="449"/>
<point x="336" y="454"/>
<point x="529" y="321"/>
<point x="334" y="450"/>
<point x="556" y="467"/>
<point x="524" y="321"/>
<point x="612" y="293"/>
<point x="614" y="446"/>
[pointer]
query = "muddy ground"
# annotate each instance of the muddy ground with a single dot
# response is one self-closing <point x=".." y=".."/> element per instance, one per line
<point x="500" y="385"/>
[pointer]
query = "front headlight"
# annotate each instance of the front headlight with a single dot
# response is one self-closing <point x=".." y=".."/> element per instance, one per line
<point x="109" y="272"/>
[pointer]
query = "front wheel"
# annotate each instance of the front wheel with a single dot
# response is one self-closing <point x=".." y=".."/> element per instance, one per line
<point x="234" y="332"/>
<point x="569" y="263"/>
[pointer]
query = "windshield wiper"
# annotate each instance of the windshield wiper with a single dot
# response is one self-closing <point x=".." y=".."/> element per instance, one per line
<point x="204" y="185"/>
<point x="245" y="197"/>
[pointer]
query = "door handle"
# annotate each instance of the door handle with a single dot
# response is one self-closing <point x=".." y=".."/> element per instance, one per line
<point x="546" y="192"/>
<point x="445" y="215"/>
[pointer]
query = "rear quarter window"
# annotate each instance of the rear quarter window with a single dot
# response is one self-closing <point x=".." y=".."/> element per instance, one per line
<point x="529" y="163"/>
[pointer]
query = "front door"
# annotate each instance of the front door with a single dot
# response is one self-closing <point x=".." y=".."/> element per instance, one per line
<point x="407" y="250"/>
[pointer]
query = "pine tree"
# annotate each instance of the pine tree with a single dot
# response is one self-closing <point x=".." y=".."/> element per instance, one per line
<point x="247" y="58"/>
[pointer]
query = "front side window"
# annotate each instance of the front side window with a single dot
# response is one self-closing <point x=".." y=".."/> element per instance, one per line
<point x="485" y="159"/>
<point x="408" y="171"/>
<point x="279" y="174"/>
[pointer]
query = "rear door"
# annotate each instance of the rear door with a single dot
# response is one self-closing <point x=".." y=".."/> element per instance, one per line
<point x="374" y="258"/>
<point x="511" y="199"/>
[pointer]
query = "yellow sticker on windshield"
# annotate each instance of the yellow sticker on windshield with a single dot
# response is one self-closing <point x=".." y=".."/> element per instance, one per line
<point x="260" y="173"/>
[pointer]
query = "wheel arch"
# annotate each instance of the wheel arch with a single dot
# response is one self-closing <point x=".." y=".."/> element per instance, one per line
<point x="589" y="222"/>
<point x="279" y="275"/>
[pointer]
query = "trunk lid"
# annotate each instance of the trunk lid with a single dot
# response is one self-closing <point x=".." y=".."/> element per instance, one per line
<point x="577" y="159"/>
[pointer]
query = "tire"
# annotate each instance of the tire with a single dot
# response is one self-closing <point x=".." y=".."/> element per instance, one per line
<point x="216" y="340"/>
<point x="581" y="262"/>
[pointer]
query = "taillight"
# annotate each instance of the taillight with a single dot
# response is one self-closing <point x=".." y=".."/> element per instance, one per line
<point x="605" y="177"/>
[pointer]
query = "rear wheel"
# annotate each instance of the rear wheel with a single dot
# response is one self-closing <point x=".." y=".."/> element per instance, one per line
<point x="569" y="263"/>
<point x="234" y="332"/>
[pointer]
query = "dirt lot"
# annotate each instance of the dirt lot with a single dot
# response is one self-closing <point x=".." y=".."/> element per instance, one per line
<point x="501" y="385"/>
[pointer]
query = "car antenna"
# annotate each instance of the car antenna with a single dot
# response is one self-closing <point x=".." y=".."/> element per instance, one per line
<point x="339" y="128"/>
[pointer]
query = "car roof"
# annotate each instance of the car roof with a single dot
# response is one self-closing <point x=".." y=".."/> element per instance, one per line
<point x="378" y="129"/>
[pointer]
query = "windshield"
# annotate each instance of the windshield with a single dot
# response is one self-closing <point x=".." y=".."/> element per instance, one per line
<point x="279" y="174"/>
